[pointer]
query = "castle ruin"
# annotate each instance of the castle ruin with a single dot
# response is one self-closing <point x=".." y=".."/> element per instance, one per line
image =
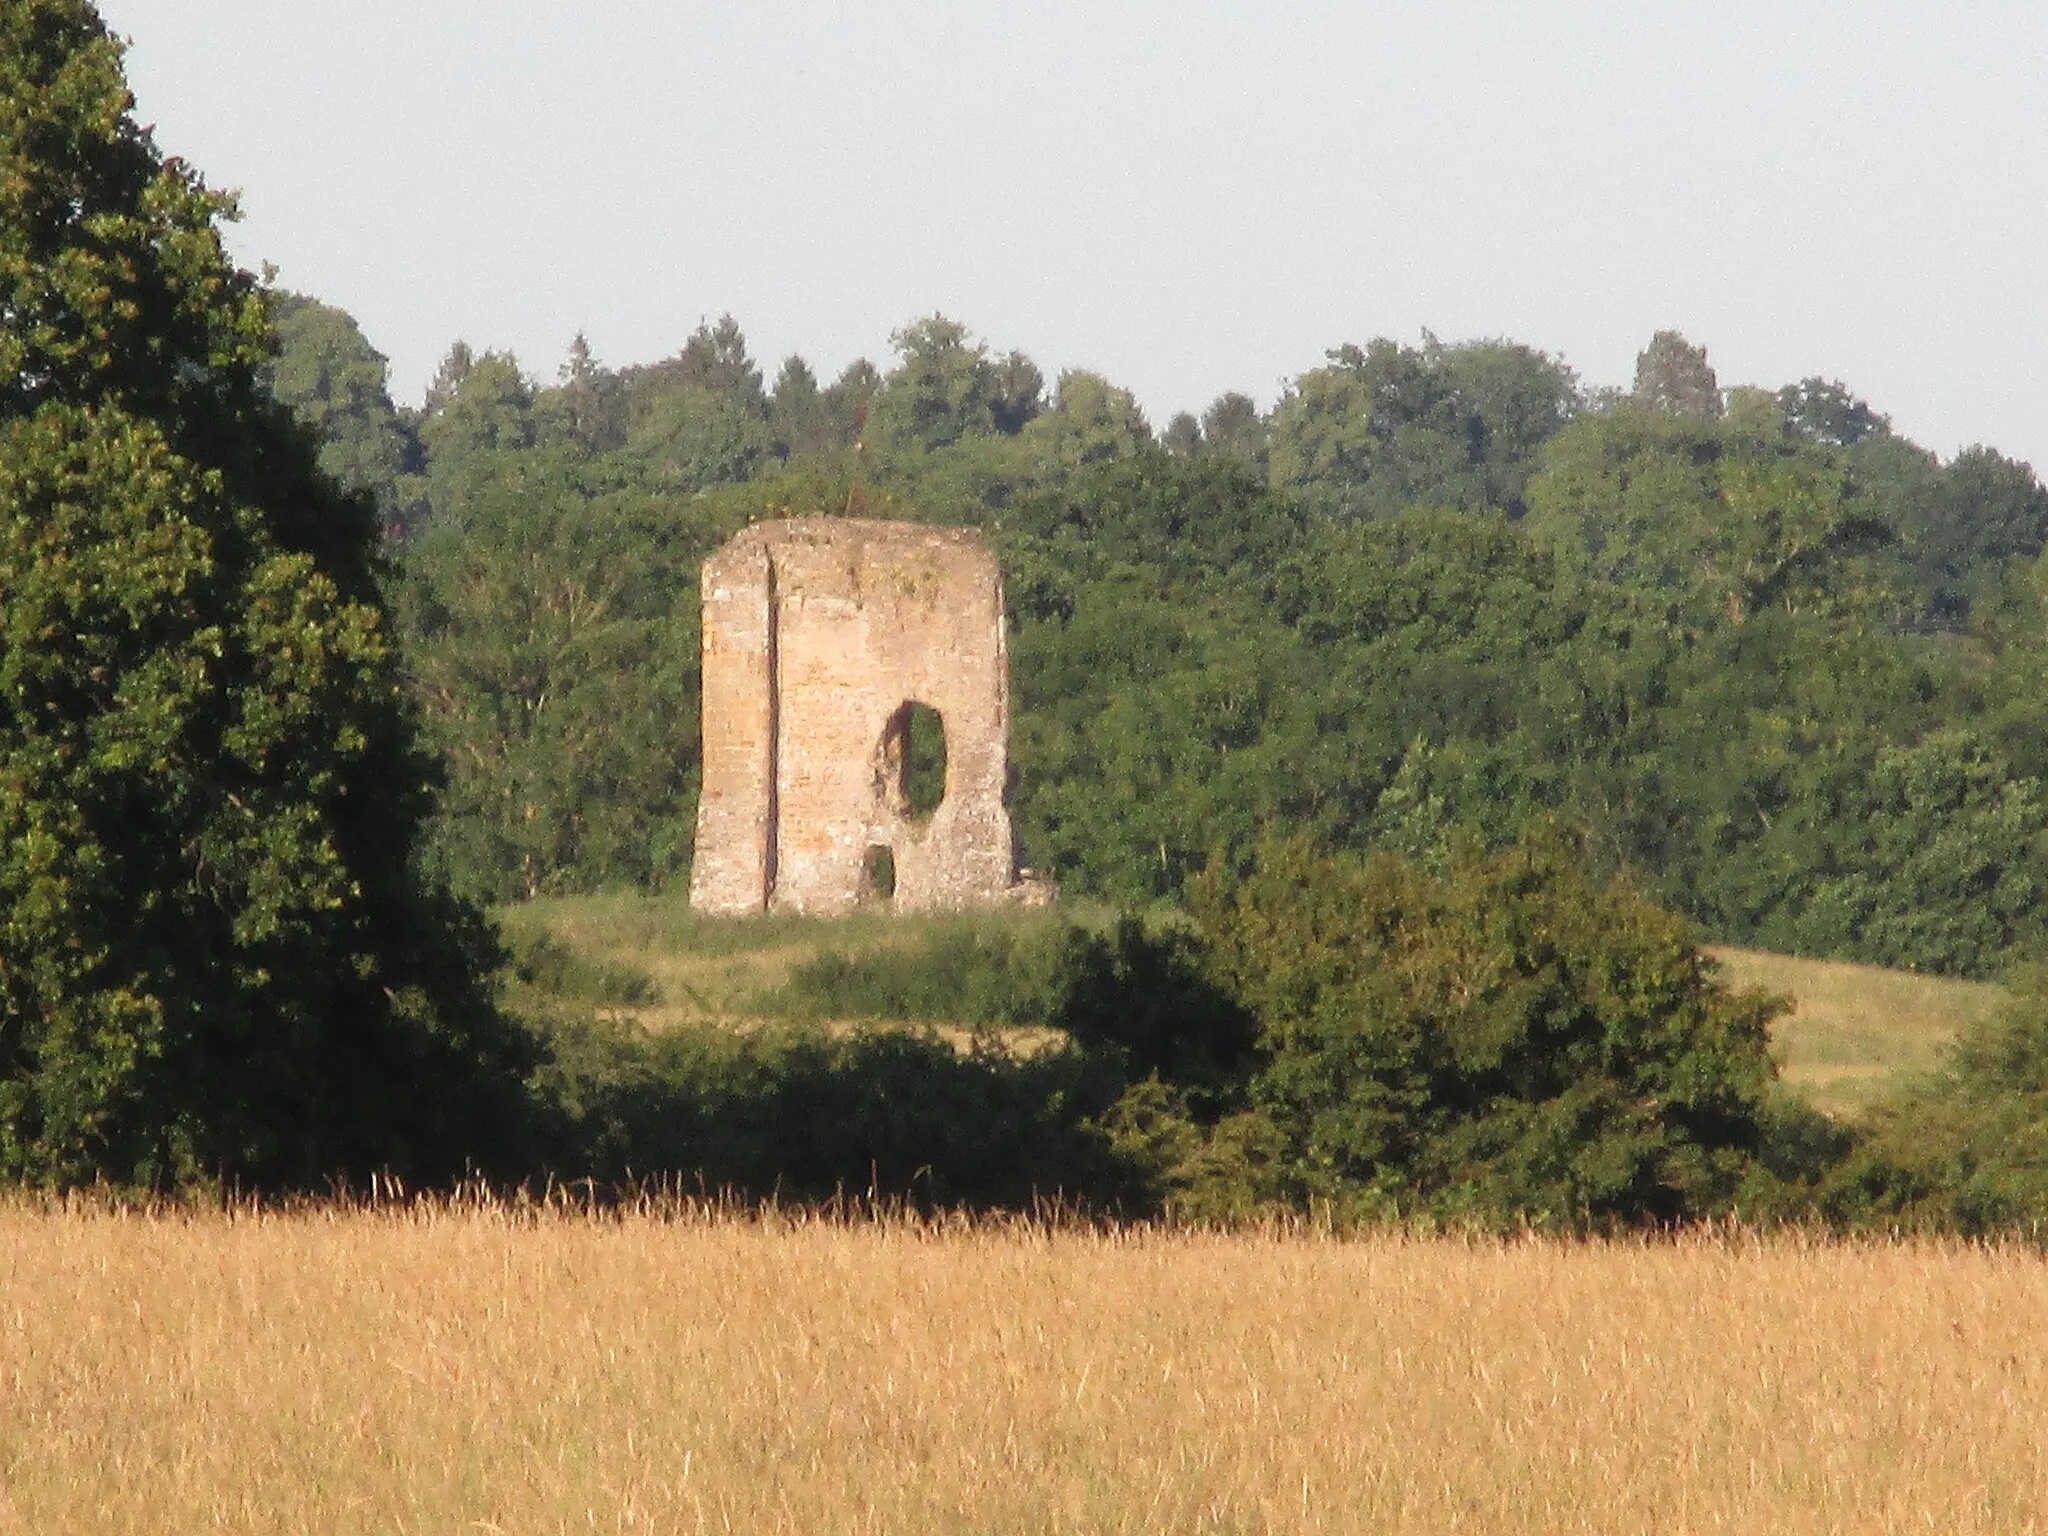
<point x="821" y="637"/>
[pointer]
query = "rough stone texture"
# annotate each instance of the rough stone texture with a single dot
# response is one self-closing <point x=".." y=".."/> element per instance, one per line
<point x="819" y="633"/>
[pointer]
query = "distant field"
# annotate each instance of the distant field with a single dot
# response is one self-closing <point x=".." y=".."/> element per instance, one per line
<point x="1857" y="1031"/>
<point x="480" y="1372"/>
<point x="1855" y="1034"/>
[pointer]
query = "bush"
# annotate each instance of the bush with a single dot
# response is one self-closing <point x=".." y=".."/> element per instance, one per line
<point x="1967" y="1151"/>
<point x="543" y="962"/>
<point x="806" y="1115"/>
<point x="957" y="972"/>
<point x="1514" y="1041"/>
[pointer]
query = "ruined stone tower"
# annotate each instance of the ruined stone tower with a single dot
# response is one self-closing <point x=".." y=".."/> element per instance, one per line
<point x="820" y="636"/>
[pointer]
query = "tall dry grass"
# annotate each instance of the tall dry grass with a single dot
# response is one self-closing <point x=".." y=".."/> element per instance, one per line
<point x="475" y="1372"/>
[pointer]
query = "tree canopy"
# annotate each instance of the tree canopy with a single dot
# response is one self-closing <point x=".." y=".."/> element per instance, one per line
<point x="217" y="958"/>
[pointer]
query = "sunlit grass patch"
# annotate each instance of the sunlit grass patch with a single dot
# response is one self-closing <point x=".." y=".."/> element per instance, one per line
<point x="1857" y="1033"/>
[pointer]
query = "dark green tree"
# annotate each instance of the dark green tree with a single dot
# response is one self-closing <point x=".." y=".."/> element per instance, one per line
<point x="701" y="417"/>
<point x="1385" y="427"/>
<point x="1511" y="1041"/>
<point x="1018" y="393"/>
<point x="476" y="405"/>
<point x="1982" y="511"/>
<point x="943" y="388"/>
<point x="216" y="955"/>
<point x="552" y="637"/>
<point x="1233" y="425"/>
<point x="338" y="385"/>
<point x="587" y="406"/>
<point x="801" y="418"/>
<point x="1824" y="411"/>
<point x="1090" y="420"/>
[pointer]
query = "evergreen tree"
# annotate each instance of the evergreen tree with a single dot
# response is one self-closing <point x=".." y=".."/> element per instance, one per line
<point x="216" y="956"/>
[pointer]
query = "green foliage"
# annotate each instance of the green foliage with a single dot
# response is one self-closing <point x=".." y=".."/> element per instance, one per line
<point x="946" y="388"/>
<point x="1091" y="420"/>
<point x="1385" y="427"/>
<point x="1147" y="999"/>
<point x="1711" y="518"/>
<point x="1968" y="1151"/>
<point x="1514" y="1040"/>
<point x="216" y="956"/>
<point x="554" y="639"/>
<point x="1980" y="512"/>
<point x="1674" y="377"/>
<point x="1137" y="997"/>
<point x="800" y="1115"/>
<point x="545" y="964"/>
<point x="476" y="406"/>
<point x="1435" y="588"/>
<point x="961" y="972"/>
<point x="1938" y="858"/>
<point x="336" y="383"/>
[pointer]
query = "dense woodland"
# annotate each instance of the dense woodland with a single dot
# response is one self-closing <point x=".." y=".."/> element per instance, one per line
<point x="1763" y="651"/>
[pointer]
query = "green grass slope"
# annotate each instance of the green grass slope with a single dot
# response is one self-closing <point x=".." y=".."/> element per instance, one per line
<point x="1857" y="1032"/>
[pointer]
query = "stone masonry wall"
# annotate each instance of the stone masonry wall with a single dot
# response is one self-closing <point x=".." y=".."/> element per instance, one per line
<point x="818" y="633"/>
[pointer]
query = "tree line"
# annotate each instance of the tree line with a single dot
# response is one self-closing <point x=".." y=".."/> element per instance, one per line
<point x="1765" y="651"/>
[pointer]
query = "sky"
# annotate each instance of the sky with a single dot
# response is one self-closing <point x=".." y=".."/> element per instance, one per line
<point x="1188" y="198"/>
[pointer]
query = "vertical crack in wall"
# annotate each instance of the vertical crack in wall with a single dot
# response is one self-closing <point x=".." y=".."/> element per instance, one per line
<point x="773" y="829"/>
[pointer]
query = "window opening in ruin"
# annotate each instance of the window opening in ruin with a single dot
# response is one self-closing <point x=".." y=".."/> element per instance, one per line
<point x="879" y="871"/>
<point x="913" y="775"/>
<point x="924" y="767"/>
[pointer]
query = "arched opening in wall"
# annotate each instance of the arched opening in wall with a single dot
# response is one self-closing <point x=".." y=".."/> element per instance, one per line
<point x="878" y="872"/>
<point x="914" y="760"/>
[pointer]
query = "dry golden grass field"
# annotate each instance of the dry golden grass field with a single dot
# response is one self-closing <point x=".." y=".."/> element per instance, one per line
<point x="481" y="1372"/>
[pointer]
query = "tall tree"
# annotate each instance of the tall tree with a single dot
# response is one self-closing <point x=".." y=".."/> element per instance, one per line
<point x="701" y="417"/>
<point x="1673" y="375"/>
<point x="476" y="405"/>
<point x="338" y="385"/>
<point x="1183" y="435"/>
<point x="1824" y="411"/>
<point x="715" y="358"/>
<point x="1091" y="419"/>
<point x="942" y="389"/>
<point x="1385" y="427"/>
<point x="800" y="413"/>
<point x="587" y="403"/>
<point x="1233" y="425"/>
<point x="216" y="955"/>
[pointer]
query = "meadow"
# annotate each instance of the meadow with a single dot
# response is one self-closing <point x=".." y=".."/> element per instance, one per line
<point x="492" y="1369"/>
<point x="1857" y="1032"/>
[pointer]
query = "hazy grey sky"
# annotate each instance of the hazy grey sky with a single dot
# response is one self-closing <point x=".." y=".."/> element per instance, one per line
<point x="1188" y="198"/>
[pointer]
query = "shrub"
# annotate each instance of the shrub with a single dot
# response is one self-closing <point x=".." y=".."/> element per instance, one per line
<point x="800" y="1114"/>
<point x="1513" y="1041"/>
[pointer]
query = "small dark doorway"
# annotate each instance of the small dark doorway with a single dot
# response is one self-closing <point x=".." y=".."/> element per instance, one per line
<point x="878" y="870"/>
